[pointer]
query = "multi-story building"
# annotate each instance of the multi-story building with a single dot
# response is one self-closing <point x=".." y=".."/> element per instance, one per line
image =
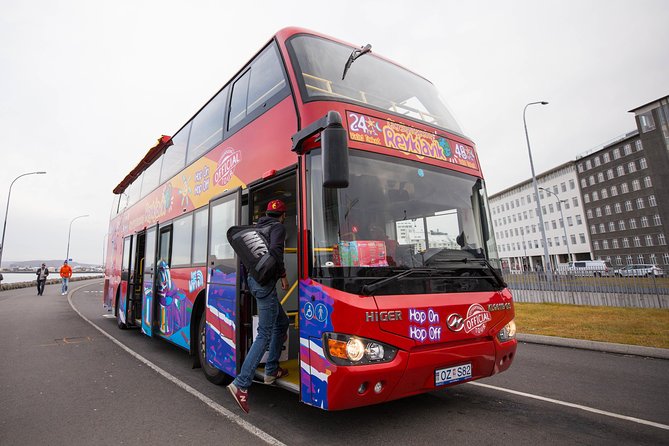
<point x="516" y="222"/>
<point x="625" y="189"/>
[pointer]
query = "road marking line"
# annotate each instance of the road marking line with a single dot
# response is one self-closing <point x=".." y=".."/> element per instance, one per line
<point x="575" y="406"/>
<point x="267" y="438"/>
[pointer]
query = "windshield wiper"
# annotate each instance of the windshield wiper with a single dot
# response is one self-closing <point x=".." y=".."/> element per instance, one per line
<point x="485" y="262"/>
<point x="354" y="55"/>
<point x="371" y="287"/>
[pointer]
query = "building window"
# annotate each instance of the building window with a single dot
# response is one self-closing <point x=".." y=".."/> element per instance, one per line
<point x="581" y="237"/>
<point x="649" y="240"/>
<point x="639" y="145"/>
<point x="593" y="229"/>
<point x="653" y="259"/>
<point x="591" y="180"/>
<point x="661" y="239"/>
<point x="597" y="163"/>
<point x="570" y="221"/>
<point x="636" y="185"/>
<point x="637" y="241"/>
<point x="627" y="149"/>
<point x="563" y="187"/>
<point x="652" y="201"/>
<point x="586" y="198"/>
<point x="600" y="177"/>
<point x="628" y="205"/>
<point x="647" y="182"/>
<point x="595" y="196"/>
<point x="632" y="223"/>
<point x="602" y="228"/>
<point x="607" y="210"/>
<point x="631" y="167"/>
<point x="621" y="225"/>
<point x="616" y="154"/>
<point x="605" y="244"/>
<point x="588" y="165"/>
<point x="614" y="191"/>
<point x="553" y="224"/>
<point x="584" y="184"/>
<point x="644" y="222"/>
<point x="620" y="170"/>
<point x="615" y="243"/>
<point x="574" y="201"/>
<point x="639" y="258"/>
<point x="618" y="208"/>
<point x="580" y="167"/>
<point x="665" y="258"/>
<point x="595" y="245"/>
<point x="643" y="164"/>
<point x="573" y="239"/>
<point x="579" y="220"/>
<point x="550" y="208"/>
<point x="609" y="174"/>
<point x="639" y="203"/>
<point x="598" y="212"/>
<point x="629" y="260"/>
<point x="626" y="242"/>
<point x="572" y="184"/>
<point x="657" y="220"/>
<point x="605" y="194"/>
<point x="612" y="226"/>
<point x="619" y="260"/>
<point x="623" y="188"/>
<point x="606" y="157"/>
<point x="589" y="213"/>
<point x="647" y="122"/>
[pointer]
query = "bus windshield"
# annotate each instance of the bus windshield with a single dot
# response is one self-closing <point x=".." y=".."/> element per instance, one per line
<point x="371" y="81"/>
<point x="398" y="214"/>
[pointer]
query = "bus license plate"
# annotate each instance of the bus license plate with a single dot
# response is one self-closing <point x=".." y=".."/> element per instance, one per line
<point x="452" y="374"/>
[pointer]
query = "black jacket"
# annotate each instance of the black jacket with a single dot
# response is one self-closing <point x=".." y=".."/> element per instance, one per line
<point x="277" y="240"/>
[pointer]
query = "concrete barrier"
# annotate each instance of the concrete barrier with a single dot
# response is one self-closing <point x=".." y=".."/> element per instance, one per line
<point x="33" y="283"/>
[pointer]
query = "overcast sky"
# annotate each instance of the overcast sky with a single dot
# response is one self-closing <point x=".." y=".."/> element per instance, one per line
<point x="86" y="87"/>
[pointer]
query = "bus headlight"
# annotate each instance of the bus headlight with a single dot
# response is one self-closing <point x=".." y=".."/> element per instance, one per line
<point x="345" y="349"/>
<point x="508" y="332"/>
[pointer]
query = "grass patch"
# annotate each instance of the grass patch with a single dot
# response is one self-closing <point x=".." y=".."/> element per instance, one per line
<point x="647" y="327"/>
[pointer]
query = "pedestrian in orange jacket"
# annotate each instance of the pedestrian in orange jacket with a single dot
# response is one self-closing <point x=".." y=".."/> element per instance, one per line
<point x="65" y="274"/>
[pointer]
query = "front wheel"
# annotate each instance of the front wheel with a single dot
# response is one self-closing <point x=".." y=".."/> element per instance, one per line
<point x="211" y="373"/>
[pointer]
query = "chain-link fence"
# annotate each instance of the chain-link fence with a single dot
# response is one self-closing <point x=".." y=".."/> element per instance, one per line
<point x="642" y="287"/>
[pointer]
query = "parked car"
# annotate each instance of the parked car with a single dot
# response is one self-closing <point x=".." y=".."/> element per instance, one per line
<point x="586" y="268"/>
<point x="640" y="270"/>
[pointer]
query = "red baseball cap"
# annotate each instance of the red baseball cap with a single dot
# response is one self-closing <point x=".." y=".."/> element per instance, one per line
<point x="276" y="206"/>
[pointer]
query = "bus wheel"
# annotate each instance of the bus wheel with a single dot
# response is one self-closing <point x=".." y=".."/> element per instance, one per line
<point x="211" y="373"/>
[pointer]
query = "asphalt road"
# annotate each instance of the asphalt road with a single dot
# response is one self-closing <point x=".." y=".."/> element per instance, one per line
<point x="64" y="382"/>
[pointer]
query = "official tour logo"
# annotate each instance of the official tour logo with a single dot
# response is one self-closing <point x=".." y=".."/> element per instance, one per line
<point x="226" y="166"/>
<point x="476" y="320"/>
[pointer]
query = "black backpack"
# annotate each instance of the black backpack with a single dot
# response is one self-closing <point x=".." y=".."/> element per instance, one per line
<point x="251" y="243"/>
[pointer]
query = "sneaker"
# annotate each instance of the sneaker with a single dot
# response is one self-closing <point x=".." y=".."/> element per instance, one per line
<point x="280" y="373"/>
<point x="241" y="396"/>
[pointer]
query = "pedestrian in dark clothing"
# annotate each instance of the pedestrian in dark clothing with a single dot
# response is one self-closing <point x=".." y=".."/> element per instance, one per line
<point x="272" y="319"/>
<point x="42" y="274"/>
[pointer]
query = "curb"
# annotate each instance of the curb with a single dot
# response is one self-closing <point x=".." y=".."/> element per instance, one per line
<point x="607" y="347"/>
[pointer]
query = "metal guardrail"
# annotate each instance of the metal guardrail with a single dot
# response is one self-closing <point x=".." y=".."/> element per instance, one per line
<point x="589" y="288"/>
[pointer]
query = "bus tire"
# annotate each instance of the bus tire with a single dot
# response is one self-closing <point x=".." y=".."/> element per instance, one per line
<point x="211" y="373"/>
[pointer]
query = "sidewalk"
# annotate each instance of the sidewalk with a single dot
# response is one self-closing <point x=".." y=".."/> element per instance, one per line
<point x="608" y="347"/>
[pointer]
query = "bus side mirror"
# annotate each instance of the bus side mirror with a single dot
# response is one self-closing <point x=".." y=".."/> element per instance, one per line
<point x="335" y="157"/>
<point x="334" y="142"/>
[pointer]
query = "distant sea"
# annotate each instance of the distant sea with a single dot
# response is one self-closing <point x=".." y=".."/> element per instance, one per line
<point x="29" y="277"/>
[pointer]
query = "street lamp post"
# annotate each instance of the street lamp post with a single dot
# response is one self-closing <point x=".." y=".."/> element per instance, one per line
<point x="4" y="226"/>
<point x="564" y="223"/>
<point x="547" y="265"/>
<point x="67" y="256"/>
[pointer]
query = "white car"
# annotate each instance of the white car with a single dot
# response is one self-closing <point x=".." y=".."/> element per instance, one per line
<point x="640" y="270"/>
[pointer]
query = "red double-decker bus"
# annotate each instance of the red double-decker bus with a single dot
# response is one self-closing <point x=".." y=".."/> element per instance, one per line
<point x="395" y="283"/>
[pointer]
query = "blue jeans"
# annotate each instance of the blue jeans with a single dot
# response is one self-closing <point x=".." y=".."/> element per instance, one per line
<point x="63" y="287"/>
<point x="272" y="328"/>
